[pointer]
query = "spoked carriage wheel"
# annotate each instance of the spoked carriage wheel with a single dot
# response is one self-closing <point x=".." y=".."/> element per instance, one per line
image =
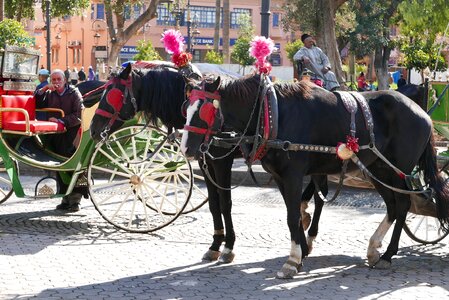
<point x="421" y="228"/>
<point x="6" y="189"/>
<point x="142" y="182"/>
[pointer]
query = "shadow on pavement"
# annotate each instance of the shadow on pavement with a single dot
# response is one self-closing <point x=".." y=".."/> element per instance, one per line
<point x="324" y="277"/>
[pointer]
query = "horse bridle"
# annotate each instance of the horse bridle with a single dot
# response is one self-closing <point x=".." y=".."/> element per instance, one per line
<point x="208" y="112"/>
<point x="116" y="99"/>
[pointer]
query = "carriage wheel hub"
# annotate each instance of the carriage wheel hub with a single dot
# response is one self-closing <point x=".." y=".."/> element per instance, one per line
<point x="135" y="179"/>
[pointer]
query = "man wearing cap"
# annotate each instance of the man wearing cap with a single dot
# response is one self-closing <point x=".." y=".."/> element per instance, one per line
<point x="316" y="61"/>
<point x="43" y="78"/>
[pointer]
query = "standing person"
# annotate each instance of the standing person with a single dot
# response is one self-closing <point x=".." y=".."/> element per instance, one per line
<point x="73" y="76"/>
<point x="43" y="78"/>
<point x="91" y="74"/>
<point x="82" y="75"/>
<point x="401" y="81"/>
<point x="316" y="61"/>
<point x="59" y="94"/>
<point x="67" y="74"/>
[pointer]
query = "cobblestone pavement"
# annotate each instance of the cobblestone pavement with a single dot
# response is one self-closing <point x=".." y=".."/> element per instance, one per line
<point x="45" y="254"/>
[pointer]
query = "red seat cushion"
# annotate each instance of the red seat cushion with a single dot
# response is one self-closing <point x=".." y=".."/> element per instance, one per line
<point x="26" y="102"/>
<point x="35" y="126"/>
<point x="15" y="121"/>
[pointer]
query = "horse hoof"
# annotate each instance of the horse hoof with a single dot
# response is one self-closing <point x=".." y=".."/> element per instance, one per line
<point x="382" y="265"/>
<point x="211" y="255"/>
<point x="286" y="273"/>
<point x="373" y="258"/>
<point x="226" y="257"/>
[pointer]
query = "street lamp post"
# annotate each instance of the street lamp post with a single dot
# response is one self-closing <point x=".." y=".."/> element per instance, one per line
<point x="59" y="28"/>
<point x="189" y="24"/>
<point x="97" y="27"/>
<point x="48" y="22"/>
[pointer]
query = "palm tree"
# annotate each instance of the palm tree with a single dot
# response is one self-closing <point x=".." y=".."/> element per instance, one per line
<point x="226" y="25"/>
<point x="217" y="25"/>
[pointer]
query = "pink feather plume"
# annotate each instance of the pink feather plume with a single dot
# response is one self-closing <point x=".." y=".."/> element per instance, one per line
<point x="260" y="48"/>
<point x="173" y="41"/>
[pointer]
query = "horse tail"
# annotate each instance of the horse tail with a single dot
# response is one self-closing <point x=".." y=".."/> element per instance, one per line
<point x="440" y="187"/>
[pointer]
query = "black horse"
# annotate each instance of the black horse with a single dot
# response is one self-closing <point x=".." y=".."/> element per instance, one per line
<point x="313" y="116"/>
<point x="159" y="94"/>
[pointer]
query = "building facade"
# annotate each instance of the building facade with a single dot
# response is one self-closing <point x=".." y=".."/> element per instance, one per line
<point x="83" y="41"/>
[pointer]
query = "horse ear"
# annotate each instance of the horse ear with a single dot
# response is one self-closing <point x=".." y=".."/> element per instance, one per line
<point x="125" y="73"/>
<point x="215" y="85"/>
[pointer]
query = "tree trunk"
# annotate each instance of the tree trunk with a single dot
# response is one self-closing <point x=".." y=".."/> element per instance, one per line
<point x="226" y="26"/>
<point x="381" y="66"/>
<point x="2" y="10"/>
<point x="217" y="26"/>
<point x="118" y="34"/>
<point x="325" y="37"/>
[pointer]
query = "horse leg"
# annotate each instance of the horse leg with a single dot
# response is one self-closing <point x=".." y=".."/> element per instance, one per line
<point x="223" y="170"/>
<point x="291" y="192"/>
<point x="213" y="253"/>
<point x="305" y="198"/>
<point x="375" y="241"/>
<point x="402" y="207"/>
<point x="320" y="192"/>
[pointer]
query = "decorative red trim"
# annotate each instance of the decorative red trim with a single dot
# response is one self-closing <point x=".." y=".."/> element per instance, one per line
<point x="103" y="113"/>
<point x="196" y="129"/>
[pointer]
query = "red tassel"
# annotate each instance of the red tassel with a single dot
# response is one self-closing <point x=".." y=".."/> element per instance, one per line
<point x="352" y="143"/>
<point x="181" y="59"/>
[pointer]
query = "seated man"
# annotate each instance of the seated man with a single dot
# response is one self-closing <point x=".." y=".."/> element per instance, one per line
<point x="59" y="94"/>
<point x="316" y="61"/>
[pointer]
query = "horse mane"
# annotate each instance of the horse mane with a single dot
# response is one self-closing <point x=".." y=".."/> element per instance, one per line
<point x="244" y="88"/>
<point x="160" y="95"/>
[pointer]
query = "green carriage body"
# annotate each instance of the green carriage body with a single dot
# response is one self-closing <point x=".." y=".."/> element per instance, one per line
<point x="138" y="179"/>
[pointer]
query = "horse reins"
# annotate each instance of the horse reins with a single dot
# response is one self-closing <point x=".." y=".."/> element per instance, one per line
<point x="116" y="101"/>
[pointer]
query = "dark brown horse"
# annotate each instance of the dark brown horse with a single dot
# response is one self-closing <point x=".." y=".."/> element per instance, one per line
<point x="313" y="116"/>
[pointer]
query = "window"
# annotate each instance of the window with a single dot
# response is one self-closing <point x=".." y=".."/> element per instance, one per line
<point x="127" y="12"/>
<point x="275" y="19"/>
<point x="76" y="53"/>
<point x="204" y="15"/>
<point x="136" y="11"/>
<point x="163" y="16"/>
<point x="55" y="56"/>
<point x="100" y="11"/>
<point x="235" y="14"/>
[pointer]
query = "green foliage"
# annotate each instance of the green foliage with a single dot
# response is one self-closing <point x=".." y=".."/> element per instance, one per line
<point x="13" y="33"/>
<point x="213" y="57"/>
<point x="292" y="48"/>
<point x="146" y="51"/>
<point x="373" y="18"/>
<point x="19" y="9"/>
<point x="246" y="27"/>
<point x="421" y="54"/>
<point x="424" y="17"/>
<point x="300" y="15"/>
<point x="240" y="52"/>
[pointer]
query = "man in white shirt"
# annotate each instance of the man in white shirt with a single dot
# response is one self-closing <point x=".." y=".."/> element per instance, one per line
<point x="316" y="61"/>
